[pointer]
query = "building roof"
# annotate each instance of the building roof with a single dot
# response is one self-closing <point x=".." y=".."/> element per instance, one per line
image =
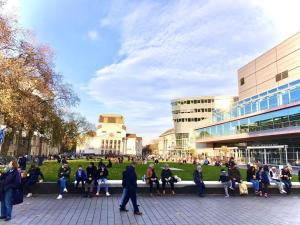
<point x="131" y="135"/>
<point x="111" y="118"/>
<point x="167" y="132"/>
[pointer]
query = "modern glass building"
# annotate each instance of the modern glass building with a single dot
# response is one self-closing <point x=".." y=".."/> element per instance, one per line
<point x="264" y="126"/>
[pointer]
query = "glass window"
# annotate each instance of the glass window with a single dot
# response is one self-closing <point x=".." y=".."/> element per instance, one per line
<point x="273" y="101"/>
<point x="295" y="94"/>
<point x="283" y="87"/>
<point x="233" y="127"/>
<point x="248" y="108"/>
<point x="263" y="104"/>
<point x="254" y="97"/>
<point x="263" y="94"/>
<point x="254" y="106"/>
<point x="294" y="83"/>
<point x="226" y="128"/>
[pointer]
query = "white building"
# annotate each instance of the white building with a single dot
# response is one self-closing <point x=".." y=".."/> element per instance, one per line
<point x="111" y="138"/>
<point x="193" y="112"/>
<point x="166" y="143"/>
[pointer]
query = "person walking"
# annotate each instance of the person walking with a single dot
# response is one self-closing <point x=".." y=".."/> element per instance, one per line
<point x="91" y="172"/>
<point x="152" y="178"/>
<point x="32" y="178"/>
<point x="63" y="178"/>
<point x="167" y="177"/>
<point x="198" y="179"/>
<point x="10" y="181"/>
<point x="102" y="174"/>
<point x="131" y="186"/>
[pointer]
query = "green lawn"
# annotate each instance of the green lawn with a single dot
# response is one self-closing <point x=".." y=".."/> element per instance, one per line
<point x="210" y="173"/>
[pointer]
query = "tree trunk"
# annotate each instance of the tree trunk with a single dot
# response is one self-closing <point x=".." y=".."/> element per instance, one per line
<point x="28" y="147"/>
<point x="40" y="145"/>
<point x="7" y="140"/>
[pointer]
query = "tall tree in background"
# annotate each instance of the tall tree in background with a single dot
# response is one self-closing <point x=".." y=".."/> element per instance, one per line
<point x="33" y="97"/>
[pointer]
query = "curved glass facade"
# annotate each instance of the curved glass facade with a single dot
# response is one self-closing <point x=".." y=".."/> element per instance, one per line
<point x="289" y="117"/>
<point x="281" y="95"/>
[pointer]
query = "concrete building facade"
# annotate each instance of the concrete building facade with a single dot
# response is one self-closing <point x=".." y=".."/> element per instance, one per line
<point x="166" y="143"/>
<point x="264" y="125"/>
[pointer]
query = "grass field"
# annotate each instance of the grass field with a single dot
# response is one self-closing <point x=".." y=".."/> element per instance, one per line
<point x="210" y="173"/>
<point x="50" y="169"/>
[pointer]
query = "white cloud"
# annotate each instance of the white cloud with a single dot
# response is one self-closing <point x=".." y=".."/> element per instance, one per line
<point x="11" y="8"/>
<point x="183" y="48"/>
<point x="93" y="35"/>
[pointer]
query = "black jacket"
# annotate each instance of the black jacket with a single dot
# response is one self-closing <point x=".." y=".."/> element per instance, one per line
<point x="250" y="174"/>
<point x="91" y="173"/>
<point x="102" y="173"/>
<point x="11" y="179"/>
<point x="166" y="174"/>
<point x="64" y="172"/>
<point x="198" y="177"/>
<point x="286" y="175"/>
<point x="130" y="178"/>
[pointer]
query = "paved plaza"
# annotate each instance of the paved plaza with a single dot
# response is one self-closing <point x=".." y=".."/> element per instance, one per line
<point x="181" y="209"/>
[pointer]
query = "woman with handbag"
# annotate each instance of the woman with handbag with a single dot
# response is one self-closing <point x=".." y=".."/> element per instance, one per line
<point x="11" y="180"/>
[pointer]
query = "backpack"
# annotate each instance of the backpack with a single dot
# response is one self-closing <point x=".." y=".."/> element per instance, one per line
<point x="243" y="188"/>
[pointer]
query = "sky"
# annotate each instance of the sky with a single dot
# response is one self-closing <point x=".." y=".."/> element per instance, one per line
<point x="132" y="57"/>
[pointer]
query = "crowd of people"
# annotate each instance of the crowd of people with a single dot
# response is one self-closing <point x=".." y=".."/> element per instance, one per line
<point x="16" y="181"/>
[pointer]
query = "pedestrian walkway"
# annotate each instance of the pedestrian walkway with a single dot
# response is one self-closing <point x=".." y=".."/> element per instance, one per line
<point x="180" y="209"/>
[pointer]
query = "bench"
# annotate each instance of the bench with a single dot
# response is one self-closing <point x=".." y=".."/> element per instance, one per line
<point x="182" y="187"/>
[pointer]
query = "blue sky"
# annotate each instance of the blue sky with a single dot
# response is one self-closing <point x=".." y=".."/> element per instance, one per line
<point x="133" y="56"/>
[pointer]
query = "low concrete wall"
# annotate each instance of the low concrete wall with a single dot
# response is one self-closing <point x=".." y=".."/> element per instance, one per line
<point x="183" y="187"/>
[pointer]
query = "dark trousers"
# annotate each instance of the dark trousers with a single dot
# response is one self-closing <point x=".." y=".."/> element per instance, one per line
<point x="130" y="194"/>
<point x="201" y="188"/>
<point x="6" y="203"/>
<point x="82" y="184"/>
<point x="265" y="188"/>
<point x="164" y="182"/>
<point x="288" y="186"/>
<point x="233" y="182"/>
<point x="28" y="186"/>
<point x="151" y="185"/>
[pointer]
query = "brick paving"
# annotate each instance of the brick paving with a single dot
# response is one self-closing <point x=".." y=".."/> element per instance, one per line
<point x="180" y="209"/>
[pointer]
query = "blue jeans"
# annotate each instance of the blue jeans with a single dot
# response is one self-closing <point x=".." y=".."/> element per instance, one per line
<point x="6" y="203"/>
<point x="255" y="184"/>
<point x="123" y="196"/>
<point x="102" y="180"/>
<point x="288" y="186"/>
<point x="62" y="184"/>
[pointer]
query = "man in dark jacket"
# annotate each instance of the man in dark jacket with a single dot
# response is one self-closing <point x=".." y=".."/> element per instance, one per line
<point x="63" y="177"/>
<point x="22" y="162"/>
<point x="167" y="177"/>
<point x="80" y="177"/>
<point x="91" y="173"/>
<point x="235" y="176"/>
<point x="131" y="186"/>
<point x="198" y="179"/>
<point x="123" y="186"/>
<point x="102" y="174"/>
<point x="32" y="178"/>
<point x="10" y="181"/>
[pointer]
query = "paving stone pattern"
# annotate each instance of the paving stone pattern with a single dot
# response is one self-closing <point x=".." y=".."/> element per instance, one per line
<point x="179" y="209"/>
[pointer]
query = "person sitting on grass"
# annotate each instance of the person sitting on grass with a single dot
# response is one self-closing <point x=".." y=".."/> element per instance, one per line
<point x="167" y="177"/>
<point x="91" y="172"/>
<point x="198" y="179"/>
<point x="102" y="174"/>
<point x="80" y="177"/>
<point x="235" y="176"/>
<point x="63" y="178"/>
<point x="152" y="178"/>
<point x="225" y="180"/>
<point x="32" y="178"/>
<point x="286" y="178"/>
<point x="251" y="177"/>
<point x="275" y="178"/>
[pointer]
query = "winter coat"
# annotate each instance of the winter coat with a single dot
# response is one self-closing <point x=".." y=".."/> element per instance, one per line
<point x="130" y="178"/>
<point x="11" y="179"/>
<point x="251" y="174"/>
<point x="102" y="172"/>
<point x="33" y="176"/>
<point x="80" y="175"/>
<point x="198" y="177"/>
<point x="265" y="177"/>
<point x="224" y="177"/>
<point x="91" y="173"/>
<point x="166" y="174"/>
<point x="64" y="172"/>
<point x="234" y="173"/>
<point x="285" y="175"/>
